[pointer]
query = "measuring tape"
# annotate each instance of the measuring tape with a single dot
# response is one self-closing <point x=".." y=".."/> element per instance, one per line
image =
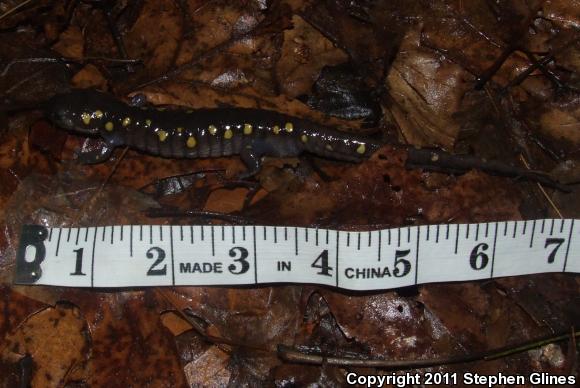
<point x="178" y="255"/>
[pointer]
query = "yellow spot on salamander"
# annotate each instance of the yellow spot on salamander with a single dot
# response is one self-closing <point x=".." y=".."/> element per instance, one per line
<point x="86" y="118"/>
<point x="162" y="135"/>
<point x="304" y="138"/>
<point x="189" y="111"/>
<point x="147" y="123"/>
<point x="329" y="147"/>
<point x="361" y="149"/>
<point x="98" y="114"/>
<point x="276" y="129"/>
<point x="191" y="142"/>
<point x="289" y="127"/>
<point x="247" y="129"/>
<point x="179" y="129"/>
<point x="126" y="121"/>
<point x="212" y="129"/>
<point x="228" y="134"/>
<point x="109" y="126"/>
<point x="161" y="109"/>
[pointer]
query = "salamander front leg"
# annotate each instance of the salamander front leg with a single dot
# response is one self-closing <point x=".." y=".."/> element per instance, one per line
<point x="252" y="160"/>
<point x="94" y="156"/>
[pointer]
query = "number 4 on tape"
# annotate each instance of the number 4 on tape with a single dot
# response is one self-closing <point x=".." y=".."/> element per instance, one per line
<point x="164" y="255"/>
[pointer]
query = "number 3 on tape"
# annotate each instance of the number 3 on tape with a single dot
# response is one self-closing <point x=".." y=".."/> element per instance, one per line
<point x="164" y="255"/>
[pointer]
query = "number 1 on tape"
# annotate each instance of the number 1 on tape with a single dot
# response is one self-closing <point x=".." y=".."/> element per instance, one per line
<point x="179" y="255"/>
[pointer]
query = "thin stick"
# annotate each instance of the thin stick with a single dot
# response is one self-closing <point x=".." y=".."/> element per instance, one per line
<point x="293" y="355"/>
<point x="525" y="162"/>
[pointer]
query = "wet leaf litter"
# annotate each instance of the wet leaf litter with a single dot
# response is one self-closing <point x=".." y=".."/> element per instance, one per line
<point x="498" y="81"/>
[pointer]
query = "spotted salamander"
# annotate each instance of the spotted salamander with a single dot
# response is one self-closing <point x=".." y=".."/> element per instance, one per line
<point x="200" y="133"/>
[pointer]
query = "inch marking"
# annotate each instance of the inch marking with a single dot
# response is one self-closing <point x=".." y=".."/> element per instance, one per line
<point x="515" y="229"/>
<point x="255" y="259"/>
<point x="336" y="275"/>
<point x="437" y="235"/>
<point x="296" y="241"/>
<point x="180" y="232"/>
<point x="151" y="234"/>
<point x="275" y="235"/>
<point x="533" y="230"/>
<point x="93" y="258"/>
<point x="379" y="253"/>
<point x="172" y="255"/>
<point x="467" y="232"/>
<point x="316" y="237"/>
<point x="493" y="250"/>
<point x="417" y="255"/>
<point x="233" y="234"/>
<point x="131" y="242"/>
<point x="58" y="242"/>
<point x="212" y="242"/>
<point x="457" y="239"/>
<point x="568" y="246"/>
<point x="112" y="234"/>
<point x="121" y="236"/>
<point x="77" y="238"/>
<point x="552" y="228"/>
<point x="477" y="232"/>
<point x="68" y="235"/>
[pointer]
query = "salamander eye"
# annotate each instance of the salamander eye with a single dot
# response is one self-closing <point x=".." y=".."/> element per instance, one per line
<point x="63" y="118"/>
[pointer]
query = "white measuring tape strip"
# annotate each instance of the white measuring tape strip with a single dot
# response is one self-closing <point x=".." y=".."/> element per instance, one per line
<point x="154" y="255"/>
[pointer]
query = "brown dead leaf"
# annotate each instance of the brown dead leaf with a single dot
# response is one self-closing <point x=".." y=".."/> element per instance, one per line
<point x="70" y="43"/>
<point x="304" y="53"/>
<point x="58" y="340"/>
<point x="423" y="105"/>
<point x="226" y="201"/>
<point x="209" y="369"/>
<point x="89" y="77"/>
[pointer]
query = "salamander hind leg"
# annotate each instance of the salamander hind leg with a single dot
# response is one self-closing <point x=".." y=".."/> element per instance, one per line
<point x="252" y="160"/>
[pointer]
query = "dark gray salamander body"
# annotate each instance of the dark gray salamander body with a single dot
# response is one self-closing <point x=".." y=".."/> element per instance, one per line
<point x="201" y="133"/>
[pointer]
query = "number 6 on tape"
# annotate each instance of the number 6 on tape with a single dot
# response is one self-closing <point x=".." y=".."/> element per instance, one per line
<point x="179" y="255"/>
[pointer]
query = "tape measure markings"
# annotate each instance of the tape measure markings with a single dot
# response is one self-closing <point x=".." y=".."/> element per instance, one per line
<point x="380" y="259"/>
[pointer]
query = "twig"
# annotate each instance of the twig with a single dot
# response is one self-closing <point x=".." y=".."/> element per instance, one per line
<point x="294" y="355"/>
<point x="525" y="162"/>
<point x="14" y="9"/>
<point x="436" y="160"/>
<point x="176" y="213"/>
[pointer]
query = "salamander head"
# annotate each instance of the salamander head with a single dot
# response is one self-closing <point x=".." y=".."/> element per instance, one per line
<point x="83" y="111"/>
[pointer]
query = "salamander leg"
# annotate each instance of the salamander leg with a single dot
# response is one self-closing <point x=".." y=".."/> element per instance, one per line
<point x="95" y="156"/>
<point x="253" y="162"/>
<point x="139" y="100"/>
